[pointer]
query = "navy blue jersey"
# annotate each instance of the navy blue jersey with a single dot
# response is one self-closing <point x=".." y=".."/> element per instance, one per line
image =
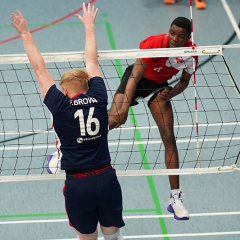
<point x="81" y="124"/>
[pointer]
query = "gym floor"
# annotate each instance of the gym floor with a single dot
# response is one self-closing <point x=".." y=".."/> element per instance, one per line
<point x="35" y="210"/>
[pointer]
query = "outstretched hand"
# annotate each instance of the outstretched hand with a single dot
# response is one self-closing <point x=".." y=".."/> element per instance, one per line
<point x="89" y="15"/>
<point x="120" y="117"/>
<point x="20" y="23"/>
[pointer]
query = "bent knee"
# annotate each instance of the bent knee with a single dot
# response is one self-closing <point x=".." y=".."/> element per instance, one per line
<point x="117" y="235"/>
<point x="169" y="139"/>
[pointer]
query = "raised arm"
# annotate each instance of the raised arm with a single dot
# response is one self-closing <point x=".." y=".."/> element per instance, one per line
<point x="44" y="78"/>
<point x="137" y="73"/>
<point x="88" y="20"/>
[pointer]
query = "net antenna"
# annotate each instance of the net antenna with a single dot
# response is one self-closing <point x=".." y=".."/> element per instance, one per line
<point x="26" y="136"/>
<point x="195" y="85"/>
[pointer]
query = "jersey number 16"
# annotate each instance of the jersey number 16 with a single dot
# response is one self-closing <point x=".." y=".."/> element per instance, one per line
<point x="88" y="125"/>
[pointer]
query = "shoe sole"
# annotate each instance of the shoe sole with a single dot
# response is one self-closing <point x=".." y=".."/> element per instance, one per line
<point x="171" y="210"/>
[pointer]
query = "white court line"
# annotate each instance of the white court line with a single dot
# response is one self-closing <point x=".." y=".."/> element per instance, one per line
<point x="231" y="18"/>
<point x="168" y="235"/>
<point x="124" y="217"/>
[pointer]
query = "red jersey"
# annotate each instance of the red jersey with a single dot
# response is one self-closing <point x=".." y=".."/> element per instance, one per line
<point x="159" y="70"/>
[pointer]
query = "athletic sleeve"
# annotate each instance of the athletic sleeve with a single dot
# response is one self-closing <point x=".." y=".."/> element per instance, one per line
<point x="188" y="61"/>
<point x="190" y="67"/>
<point x="97" y="89"/>
<point x="146" y="44"/>
<point x="153" y="42"/>
<point x="54" y="99"/>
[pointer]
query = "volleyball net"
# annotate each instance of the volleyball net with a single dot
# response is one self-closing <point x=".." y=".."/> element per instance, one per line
<point x="206" y="115"/>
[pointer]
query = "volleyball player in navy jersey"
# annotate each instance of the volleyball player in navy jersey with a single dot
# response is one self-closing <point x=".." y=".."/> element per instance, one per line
<point x="92" y="191"/>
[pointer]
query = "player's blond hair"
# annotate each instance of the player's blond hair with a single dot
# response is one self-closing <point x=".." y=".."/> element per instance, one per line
<point x="77" y="79"/>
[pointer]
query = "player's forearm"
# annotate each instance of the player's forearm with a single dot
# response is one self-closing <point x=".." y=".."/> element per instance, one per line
<point x="128" y="94"/>
<point x="33" y="53"/>
<point x="182" y="84"/>
<point x="136" y="75"/>
<point x="91" y="45"/>
<point x="179" y="88"/>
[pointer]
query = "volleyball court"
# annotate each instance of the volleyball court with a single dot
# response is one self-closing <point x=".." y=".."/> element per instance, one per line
<point x="207" y="117"/>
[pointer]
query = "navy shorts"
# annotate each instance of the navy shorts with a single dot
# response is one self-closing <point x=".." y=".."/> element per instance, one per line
<point x="93" y="199"/>
<point x="145" y="88"/>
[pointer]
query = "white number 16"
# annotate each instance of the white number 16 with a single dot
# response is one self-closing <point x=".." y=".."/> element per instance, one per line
<point x="90" y="120"/>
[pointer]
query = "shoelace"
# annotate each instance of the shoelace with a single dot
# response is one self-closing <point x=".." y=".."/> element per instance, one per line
<point x="179" y="195"/>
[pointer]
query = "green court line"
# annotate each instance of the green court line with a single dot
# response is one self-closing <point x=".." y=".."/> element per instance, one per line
<point x="64" y="214"/>
<point x="113" y="46"/>
<point x="139" y="139"/>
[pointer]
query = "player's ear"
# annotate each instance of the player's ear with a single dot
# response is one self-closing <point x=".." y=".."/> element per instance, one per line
<point x="65" y="91"/>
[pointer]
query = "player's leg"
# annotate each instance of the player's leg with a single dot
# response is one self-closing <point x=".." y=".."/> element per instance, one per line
<point x="111" y="233"/>
<point x="110" y="205"/>
<point x="163" y="116"/>
<point x="82" y="211"/>
<point x="92" y="236"/>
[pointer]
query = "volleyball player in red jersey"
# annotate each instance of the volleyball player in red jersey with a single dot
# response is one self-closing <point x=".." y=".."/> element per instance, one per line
<point x="148" y="79"/>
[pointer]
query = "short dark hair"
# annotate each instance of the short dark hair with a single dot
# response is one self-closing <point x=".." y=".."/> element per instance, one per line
<point x="183" y="22"/>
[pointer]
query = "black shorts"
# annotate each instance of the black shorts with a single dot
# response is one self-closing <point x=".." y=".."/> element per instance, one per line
<point x="93" y="199"/>
<point x="145" y="88"/>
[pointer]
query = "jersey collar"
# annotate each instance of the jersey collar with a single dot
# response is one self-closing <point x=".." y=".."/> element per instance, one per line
<point x="165" y="41"/>
<point x="77" y="95"/>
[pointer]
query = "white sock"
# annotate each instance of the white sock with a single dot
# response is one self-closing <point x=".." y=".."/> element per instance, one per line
<point x="174" y="191"/>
